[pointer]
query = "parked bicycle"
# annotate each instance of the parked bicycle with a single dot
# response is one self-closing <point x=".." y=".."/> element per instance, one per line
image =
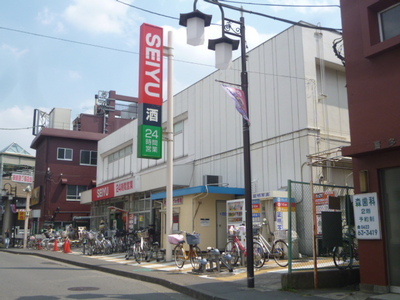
<point x="237" y="250"/>
<point x="142" y="247"/>
<point x="34" y="242"/>
<point x="195" y="255"/>
<point x="346" y="255"/>
<point x="278" y="250"/>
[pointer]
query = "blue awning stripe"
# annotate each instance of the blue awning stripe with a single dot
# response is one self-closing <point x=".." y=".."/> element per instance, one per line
<point x="200" y="189"/>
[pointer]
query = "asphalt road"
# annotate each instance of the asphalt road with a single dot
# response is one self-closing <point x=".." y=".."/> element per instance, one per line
<point x="25" y="277"/>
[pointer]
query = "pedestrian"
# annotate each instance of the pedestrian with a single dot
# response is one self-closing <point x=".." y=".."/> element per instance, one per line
<point x="7" y="240"/>
<point x="102" y="226"/>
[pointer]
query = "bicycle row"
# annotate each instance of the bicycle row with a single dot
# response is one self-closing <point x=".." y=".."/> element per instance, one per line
<point x="140" y="246"/>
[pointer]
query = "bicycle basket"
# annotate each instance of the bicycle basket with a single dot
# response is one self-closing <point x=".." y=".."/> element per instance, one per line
<point x="90" y="235"/>
<point x="193" y="239"/>
<point x="175" y="239"/>
<point x="143" y="234"/>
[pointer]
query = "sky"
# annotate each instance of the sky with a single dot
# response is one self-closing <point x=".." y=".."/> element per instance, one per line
<point x="60" y="54"/>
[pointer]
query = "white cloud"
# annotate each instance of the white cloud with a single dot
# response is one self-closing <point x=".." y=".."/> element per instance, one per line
<point x="46" y="17"/>
<point x="97" y="16"/>
<point x="49" y="18"/>
<point x="86" y="107"/>
<point x="14" y="51"/>
<point x="16" y="126"/>
<point x="74" y="75"/>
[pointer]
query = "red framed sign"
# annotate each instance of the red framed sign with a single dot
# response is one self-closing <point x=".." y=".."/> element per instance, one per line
<point x="151" y="64"/>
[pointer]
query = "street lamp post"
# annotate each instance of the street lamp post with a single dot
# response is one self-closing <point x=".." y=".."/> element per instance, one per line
<point x="28" y="191"/>
<point x="223" y="53"/>
<point x="8" y="195"/>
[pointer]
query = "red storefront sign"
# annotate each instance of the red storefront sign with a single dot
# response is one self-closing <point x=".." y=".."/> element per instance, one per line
<point x="151" y="64"/>
<point x="103" y="192"/>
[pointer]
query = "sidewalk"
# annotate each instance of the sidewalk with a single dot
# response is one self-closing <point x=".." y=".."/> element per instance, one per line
<point x="199" y="286"/>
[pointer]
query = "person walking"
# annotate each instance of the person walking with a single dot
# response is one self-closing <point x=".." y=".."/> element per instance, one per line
<point x="7" y="240"/>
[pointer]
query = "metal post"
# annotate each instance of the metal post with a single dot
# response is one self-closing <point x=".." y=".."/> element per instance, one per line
<point x="315" y="224"/>
<point x="27" y="214"/>
<point x="170" y="148"/>
<point x="290" y="240"/>
<point x="247" y="163"/>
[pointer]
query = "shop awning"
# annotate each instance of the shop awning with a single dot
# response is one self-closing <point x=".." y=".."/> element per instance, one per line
<point x="201" y="189"/>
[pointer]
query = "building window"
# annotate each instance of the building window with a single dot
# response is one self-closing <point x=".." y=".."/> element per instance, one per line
<point x="389" y="22"/>
<point x="74" y="192"/>
<point x="119" y="163"/>
<point x="88" y="158"/>
<point x="64" y="154"/>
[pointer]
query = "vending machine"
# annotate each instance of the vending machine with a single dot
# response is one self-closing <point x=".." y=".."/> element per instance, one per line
<point x="236" y="215"/>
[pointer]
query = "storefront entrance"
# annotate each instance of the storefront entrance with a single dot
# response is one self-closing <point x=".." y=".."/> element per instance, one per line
<point x="390" y="179"/>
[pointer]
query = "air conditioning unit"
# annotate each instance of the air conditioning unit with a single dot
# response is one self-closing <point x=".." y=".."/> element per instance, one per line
<point x="212" y="180"/>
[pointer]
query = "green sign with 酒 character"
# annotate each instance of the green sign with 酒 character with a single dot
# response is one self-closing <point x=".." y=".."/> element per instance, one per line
<point x="149" y="142"/>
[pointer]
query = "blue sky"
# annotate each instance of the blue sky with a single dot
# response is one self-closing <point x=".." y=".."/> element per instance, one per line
<point x="61" y="53"/>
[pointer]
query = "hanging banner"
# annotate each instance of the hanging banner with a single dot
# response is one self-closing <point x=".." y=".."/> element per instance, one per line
<point x="239" y="97"/>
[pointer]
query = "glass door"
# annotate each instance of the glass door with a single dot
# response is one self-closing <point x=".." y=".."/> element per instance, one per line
<point x="390" y="179"/>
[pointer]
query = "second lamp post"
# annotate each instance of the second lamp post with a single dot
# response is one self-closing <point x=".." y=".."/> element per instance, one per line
<point x="195" y="22"/>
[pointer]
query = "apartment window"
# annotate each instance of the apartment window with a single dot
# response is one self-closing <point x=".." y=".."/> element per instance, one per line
<point x="74" y="192"/>
<point x="389" y="22"/>
<point x="64" y="154"/>
<point x="88" y="158"/>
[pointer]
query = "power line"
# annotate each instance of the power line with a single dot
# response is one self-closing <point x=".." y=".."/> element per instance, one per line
<point x="21" y="128"/>
<point x="242" y="10"/>
<point x="90" y="45"/>
<point x="67" y="40"/>
<point x="283" y="5"/>
<point x="148" y="11"/>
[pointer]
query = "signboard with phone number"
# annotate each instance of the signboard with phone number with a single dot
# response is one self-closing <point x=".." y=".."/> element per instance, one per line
<point x="366" y="216"/>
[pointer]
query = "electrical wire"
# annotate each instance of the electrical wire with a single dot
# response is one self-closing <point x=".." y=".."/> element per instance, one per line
<point x="245" y="11"/>
<point x="21" y="128"/>
<point x="282" y="5"/>
<point x="66" y="40"/>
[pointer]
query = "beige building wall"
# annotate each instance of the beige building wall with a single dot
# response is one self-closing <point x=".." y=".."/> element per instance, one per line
<point x="199" y="213"/>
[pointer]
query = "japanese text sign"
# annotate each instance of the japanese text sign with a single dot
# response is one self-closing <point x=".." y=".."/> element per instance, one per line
<point x="366" y="216"/>
<point x="149" y="141"/>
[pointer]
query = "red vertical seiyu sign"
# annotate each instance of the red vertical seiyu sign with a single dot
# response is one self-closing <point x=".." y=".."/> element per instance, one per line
<point x="151" y="64"/>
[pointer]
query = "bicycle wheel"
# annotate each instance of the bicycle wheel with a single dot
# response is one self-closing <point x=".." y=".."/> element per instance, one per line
<point x="138" y="253"/>
<point x="90" y="250"/>
<point x="148" y="252"/>
<point x="280" y="253"/>
<point x="179" y="256"/>
<point x="342" y="255"/>
<point x="195" y="256"/>
<point x="232" y="248"/>
<point x="108" y="248"/>
<point x="129" y="252"/>
<point x="30" y="244"/>
<point x="259" y="257"/>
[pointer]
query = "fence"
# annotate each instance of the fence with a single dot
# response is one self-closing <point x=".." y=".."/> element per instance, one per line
<point x="302" y="219"/>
